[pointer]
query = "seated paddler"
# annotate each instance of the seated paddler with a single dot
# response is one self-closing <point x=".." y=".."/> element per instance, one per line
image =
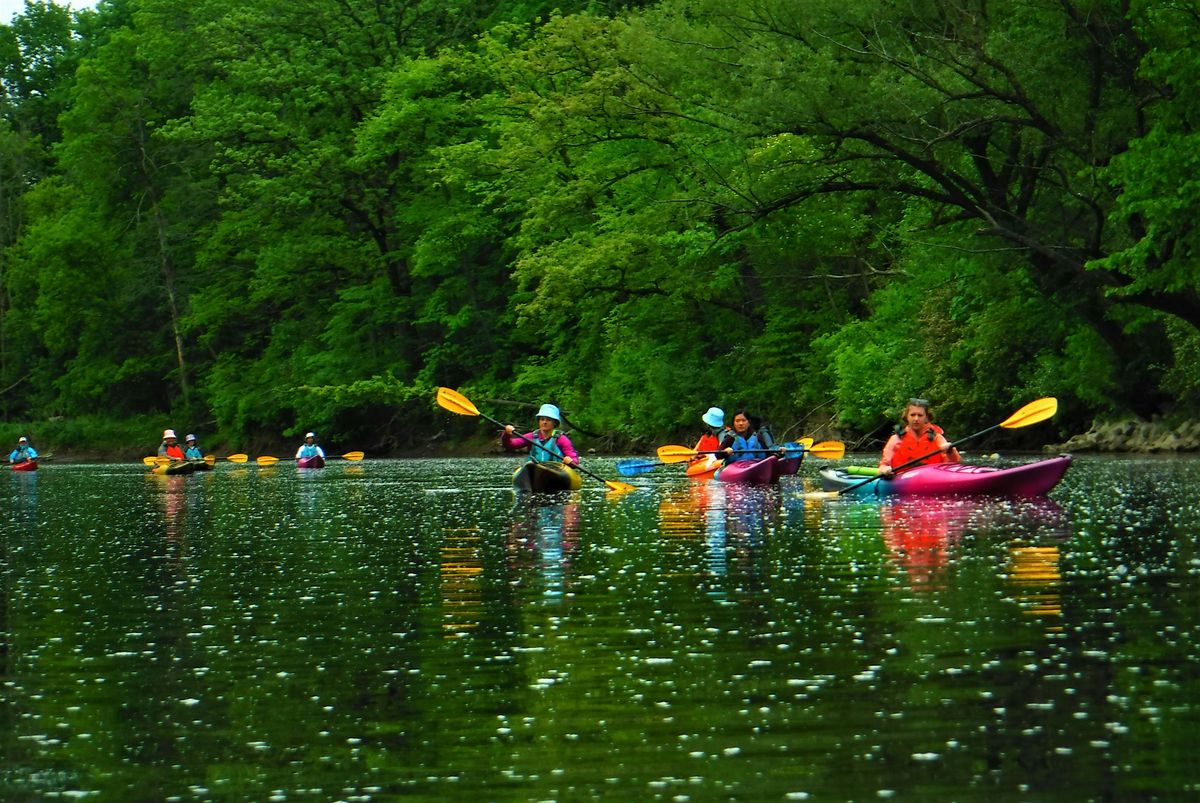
<point x="547" y="443"/>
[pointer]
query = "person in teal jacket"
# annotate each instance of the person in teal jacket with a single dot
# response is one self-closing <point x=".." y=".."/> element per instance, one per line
<point x="309" y="448"/>
<point x="24" y="451"/>
<point x="193" y="450"/>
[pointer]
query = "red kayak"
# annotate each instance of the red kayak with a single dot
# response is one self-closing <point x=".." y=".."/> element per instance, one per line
<point x="25" y="465"/>
<point x="316" y="461"/>
<point x="749" y="472"/>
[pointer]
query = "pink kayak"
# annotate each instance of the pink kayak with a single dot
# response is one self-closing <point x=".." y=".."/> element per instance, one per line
<point x="953" y="479"/>
<point x="749" y="472"/>
<point x="316" y="461"/>
<point x="786" y="467"/>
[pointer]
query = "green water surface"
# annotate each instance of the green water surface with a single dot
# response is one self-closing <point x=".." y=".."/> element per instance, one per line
<point x="411" y="630"/>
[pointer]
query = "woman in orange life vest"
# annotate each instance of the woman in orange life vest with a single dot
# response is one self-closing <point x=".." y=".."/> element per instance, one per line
<point x="710" y="441"/>
<point x="170" y="447"/>
<point x="917" y="437"/>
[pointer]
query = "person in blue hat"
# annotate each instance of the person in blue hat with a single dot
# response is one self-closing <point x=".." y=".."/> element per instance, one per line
<point x="710" y="441"/>
<point x="547" y="443"/>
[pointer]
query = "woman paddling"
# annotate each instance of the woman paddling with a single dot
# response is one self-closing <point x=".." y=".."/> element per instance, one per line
<point x="23" y="453"/>
<point x="746" y="441"/>
<point x="546" y="444"/>
<point x="917" y="437"/>
<point x="170" y="448"/>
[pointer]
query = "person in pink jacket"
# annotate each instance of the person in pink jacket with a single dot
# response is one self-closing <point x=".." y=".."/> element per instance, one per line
<point x="546" y="444"/>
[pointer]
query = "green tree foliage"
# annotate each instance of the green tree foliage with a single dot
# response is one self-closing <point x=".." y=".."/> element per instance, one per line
<point x="283" y="216"/>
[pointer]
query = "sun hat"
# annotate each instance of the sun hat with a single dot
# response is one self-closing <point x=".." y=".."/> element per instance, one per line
<point x="715" y="417"/>
<point x="22" y="439"/>
<point x="168" y="433"/>
<point x="190" y="438"/>
<point x="308" y="435"/>
<point x="549" y="411"/>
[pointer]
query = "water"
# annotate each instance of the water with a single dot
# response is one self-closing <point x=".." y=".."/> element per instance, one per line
<point x="410" y="630"/>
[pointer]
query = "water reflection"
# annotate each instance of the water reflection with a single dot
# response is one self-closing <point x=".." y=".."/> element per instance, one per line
<point x="544" y="537"/>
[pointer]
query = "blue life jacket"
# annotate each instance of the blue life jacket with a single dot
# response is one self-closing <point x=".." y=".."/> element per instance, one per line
<point x="752" y="444"/>
<point x="193" y="453"/>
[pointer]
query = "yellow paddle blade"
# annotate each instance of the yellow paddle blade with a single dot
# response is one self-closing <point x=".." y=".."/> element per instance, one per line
<point x="675" y="454"/>
<point x="353" y="456"/>
<point x="806" y="443"/>
<point x="266" y="461"/>
<point x="1032" y="413"/>
<point x="238" y="458"/>
<point x="619" y="487"/>
<point x="455" y="402"/>
<point x="210" y="459"/>
<point x="150" y="461"/>
<point x="829" y="450"/>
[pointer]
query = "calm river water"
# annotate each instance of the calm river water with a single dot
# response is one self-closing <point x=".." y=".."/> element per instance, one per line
<point x="411" y="630"/>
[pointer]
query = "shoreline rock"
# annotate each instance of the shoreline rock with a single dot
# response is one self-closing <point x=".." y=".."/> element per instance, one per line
<point x="1134" y="435"/>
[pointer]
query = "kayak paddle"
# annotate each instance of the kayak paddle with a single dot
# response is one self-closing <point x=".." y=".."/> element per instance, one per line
<point x="267" y="460"/>
<point x="829" y="450"/>
<point x="208" y="458"/>
<point x="1032" y="413"/>
<point x="636" y="466"/>
<point x="459" y="404"/>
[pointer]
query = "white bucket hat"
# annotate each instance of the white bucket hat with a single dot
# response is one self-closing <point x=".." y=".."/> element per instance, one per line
<point x="168" y="433"/>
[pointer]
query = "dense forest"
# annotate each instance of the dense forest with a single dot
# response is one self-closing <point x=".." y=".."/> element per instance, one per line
<point x="255" y="217"/>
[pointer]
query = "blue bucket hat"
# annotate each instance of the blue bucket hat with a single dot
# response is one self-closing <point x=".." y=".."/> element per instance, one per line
<point x="549" y="411"/>
<point x="715" y="417"/>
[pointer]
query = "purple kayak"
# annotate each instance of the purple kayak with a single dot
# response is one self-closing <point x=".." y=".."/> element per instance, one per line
<point x="316" y="461"/>
<point x="954" y="479"/>
<point x="749" y="472"/>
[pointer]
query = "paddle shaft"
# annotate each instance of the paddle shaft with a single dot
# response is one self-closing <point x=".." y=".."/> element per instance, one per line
<point x="532" y="444"/>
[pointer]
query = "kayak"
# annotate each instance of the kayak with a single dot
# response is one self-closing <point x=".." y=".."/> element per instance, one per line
<point x="316" y="461"/>
<point x="174" y="467"/>
<point x="749" y="472"/>
<point x="955" y="479"/>
<point x="200" y="465"/>
<point x="25" y="465"/>
<point x="703" y="468"/>
<point x="546" y="477"/>
<point x="786" y="467"/>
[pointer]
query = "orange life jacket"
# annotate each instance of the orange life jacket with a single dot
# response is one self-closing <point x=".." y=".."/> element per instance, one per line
<point x="708" y="443"/>
<point x="911" y="447"/>
<point x="175" y="452"/>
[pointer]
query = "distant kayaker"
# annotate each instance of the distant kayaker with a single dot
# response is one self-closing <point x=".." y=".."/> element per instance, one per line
<point x="24" y="451"/>
<point x="193" y="450"/>
<point x="170" y="448"/>
<point x="546" y="444"/>
<point x="917" y="437"/>
<point x="310" y="448"/>
<point x="710" y="441"/>
<point x="748" y="440"/>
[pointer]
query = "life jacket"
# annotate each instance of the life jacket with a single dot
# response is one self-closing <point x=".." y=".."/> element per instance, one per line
<point x="194" y="453"/>
<point x="911" y="447"/>
<point x="174" y="452"/>
<point x="708" y="443"/>
<point x="746" y="448"/>
<point x="546" y="451"/>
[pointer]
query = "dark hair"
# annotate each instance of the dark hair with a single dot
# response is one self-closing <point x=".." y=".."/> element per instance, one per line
<point x="915" y="402"/>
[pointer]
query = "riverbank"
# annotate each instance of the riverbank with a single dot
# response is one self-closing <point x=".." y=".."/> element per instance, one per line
<point x="1134" y="436"/>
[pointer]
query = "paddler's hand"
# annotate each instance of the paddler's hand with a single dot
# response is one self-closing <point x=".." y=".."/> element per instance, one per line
<point x="509" y="429"/>
<point x="886" y="472"/>
<point x="567" y="461"/>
